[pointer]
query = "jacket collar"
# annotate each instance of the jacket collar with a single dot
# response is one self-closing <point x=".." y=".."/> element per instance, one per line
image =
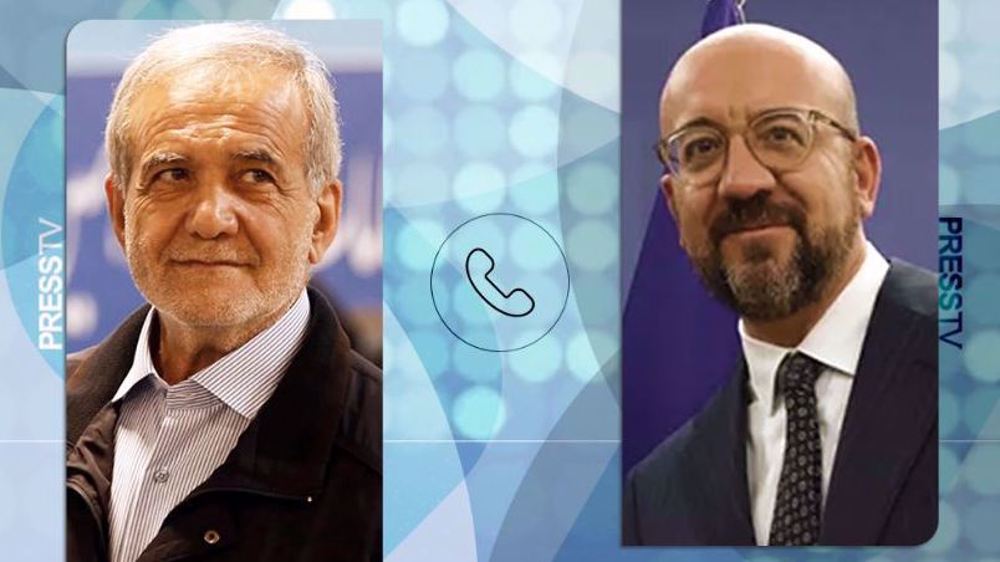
<point x="285" y="449"/>
<point x="95" y="381"/>
<point x="891" y="411"/>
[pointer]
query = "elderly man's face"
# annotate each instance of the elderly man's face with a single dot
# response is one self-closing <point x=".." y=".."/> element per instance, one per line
<point x="764" y="241"/>
<point x="218" y="222"/>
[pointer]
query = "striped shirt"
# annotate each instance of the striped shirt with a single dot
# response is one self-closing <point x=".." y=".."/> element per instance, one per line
<point x="169" y="439"/>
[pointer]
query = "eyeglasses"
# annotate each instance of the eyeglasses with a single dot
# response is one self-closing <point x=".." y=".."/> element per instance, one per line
<point x="780" y="139"/>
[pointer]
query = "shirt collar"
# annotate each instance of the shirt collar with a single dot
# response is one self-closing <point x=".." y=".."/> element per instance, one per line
<point x="142" y="362"/>
<point x="244" y="378"/>
<point x="836" y="339"/>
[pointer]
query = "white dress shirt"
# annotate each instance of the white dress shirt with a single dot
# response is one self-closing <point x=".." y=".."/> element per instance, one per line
<point x="169" y="439"/>
<point x="835" y="341"/>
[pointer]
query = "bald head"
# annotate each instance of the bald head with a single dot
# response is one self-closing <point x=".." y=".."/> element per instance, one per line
<point x="746" y="68"/>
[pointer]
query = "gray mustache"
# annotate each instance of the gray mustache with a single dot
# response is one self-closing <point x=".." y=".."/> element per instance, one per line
<point x="230" y="256"/>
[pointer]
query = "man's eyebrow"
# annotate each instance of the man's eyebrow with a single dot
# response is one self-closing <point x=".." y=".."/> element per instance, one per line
<point x="707" y="122"/>
<point x="158" y="159"/>
<point x="261" y="155"/>
<point x="698" y="122"/>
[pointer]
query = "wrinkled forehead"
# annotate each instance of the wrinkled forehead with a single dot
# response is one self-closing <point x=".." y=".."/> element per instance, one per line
<point x="730" y="83"/>
<point x="227" y="88"/>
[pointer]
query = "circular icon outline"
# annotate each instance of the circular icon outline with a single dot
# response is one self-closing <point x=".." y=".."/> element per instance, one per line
<point x="562" y="309"/>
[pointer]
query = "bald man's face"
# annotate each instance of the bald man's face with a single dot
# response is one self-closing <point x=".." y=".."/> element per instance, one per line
<point x="766" y="241"/>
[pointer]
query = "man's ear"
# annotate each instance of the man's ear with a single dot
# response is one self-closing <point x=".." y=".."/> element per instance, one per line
<point x="667" y="187"/>
<point x="116" y="208"/>
<point x="868" y="171"/>
<point x="327" y="221"/>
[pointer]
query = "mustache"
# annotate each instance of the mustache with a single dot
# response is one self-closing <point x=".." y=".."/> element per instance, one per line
<point x="756" y="212"/>
<point x="213" y="254"/>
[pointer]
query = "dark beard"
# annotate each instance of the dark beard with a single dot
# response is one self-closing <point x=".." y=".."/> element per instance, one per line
<point x="759" y="288"/>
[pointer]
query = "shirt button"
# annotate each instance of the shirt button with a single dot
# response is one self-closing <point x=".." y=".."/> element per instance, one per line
<point x="212" y="536"/>
<point x="161" y="475"/>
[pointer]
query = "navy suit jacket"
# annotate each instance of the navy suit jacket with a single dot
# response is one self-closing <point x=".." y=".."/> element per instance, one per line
<point x="692" y="488"/>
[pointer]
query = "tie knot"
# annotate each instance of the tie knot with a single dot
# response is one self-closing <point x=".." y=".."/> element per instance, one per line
<point x="798" y="372"/>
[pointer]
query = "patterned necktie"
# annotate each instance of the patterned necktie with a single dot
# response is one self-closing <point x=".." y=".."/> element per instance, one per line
<point x="798" y="506"/>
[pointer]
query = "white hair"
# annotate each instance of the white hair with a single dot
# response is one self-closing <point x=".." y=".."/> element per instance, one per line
<point x="225" y="46"/>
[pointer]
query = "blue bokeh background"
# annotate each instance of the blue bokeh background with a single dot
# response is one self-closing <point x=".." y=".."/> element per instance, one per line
<point x="505" y="106"/>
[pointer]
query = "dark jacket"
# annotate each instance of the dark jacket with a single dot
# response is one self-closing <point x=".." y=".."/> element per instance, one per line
<point x="303" y="483"/>
<point x="692" y="489"/>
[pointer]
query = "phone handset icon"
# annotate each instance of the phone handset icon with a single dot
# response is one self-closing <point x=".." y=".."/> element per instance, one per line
<point x="479" y="264"/>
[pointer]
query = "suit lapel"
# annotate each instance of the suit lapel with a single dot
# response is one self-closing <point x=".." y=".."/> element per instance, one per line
<point x="892" y="408"/>
<point x="717" y="464"/>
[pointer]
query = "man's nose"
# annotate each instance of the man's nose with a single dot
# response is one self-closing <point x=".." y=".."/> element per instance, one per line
<point x="743" y="176"/>
<point x="212" y="214"/>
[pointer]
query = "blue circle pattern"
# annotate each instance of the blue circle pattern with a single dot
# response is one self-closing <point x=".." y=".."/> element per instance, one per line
<point x="34" y="192"/>
<point x="968" y="516"/>
<point x="535" y="129"/>
<point x="500" y="112"/>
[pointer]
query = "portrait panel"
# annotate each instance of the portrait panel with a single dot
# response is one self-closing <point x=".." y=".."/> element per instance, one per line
<point x="682" y="350"/>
